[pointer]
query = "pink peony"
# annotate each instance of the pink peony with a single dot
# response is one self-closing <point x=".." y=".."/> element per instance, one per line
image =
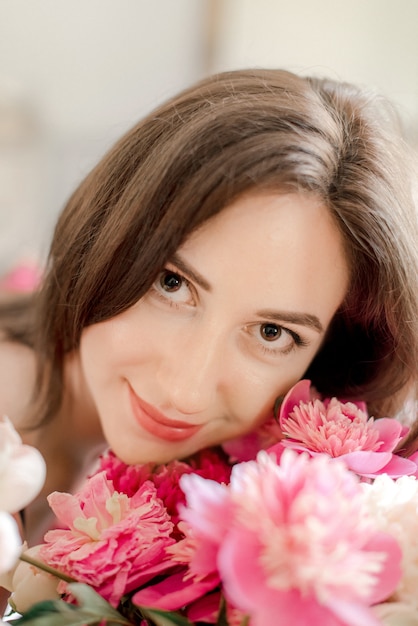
<point x="197" y="573"/>
<point x="109" y="536"/>
<point x="291" y="540"/>
<point x="343" y="430"/>
<point x="129" y="478"/>
<point x="246" y="447"/>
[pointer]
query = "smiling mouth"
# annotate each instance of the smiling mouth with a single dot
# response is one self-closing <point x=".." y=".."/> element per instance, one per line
<point x="157" y="424"/>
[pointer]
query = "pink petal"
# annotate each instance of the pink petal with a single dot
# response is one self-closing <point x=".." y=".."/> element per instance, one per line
<point x="243" y="448"/>
<point x="277" y="450"/>
<point x="242" y="576"/>
<point x="391" y="573"/>
<point x="174" y="592"/>
<point x="360" y="405"/>
<point x="294" y="609"/>
<point x="365" y="461"/>
<point x="146" y="574"/>
<point x="353" y="614"/>
<point x="414" y="458"/>
<point x="205" y="609"/>
<point x="297" y="394"/>
<point x="65" y="506"/>
<point x="390" y="432"/>
<point x="397" y="467"/>
<point x="208" y="508"/>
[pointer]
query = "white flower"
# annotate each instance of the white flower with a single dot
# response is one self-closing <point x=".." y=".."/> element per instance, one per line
<point x="31" y="585"/>
<point x="394" y="506"/>
<point x="22" y="470"/>
<point x="10" y="542"/>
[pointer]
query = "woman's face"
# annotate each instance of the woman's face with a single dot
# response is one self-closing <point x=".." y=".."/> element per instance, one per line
<point x="231" y="323"/>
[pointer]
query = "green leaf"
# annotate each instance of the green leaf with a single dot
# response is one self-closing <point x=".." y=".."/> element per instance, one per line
<point x="222" y="621"/>
<point x="87" y="597"/>
<point x="165" y="618"/>
<point x="93" y="610"/>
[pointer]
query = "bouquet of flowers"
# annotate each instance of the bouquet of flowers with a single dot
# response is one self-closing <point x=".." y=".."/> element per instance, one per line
<point x="310" y="520"/>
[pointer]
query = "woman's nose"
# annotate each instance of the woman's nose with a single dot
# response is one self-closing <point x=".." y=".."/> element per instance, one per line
<point x="191" y="375"/>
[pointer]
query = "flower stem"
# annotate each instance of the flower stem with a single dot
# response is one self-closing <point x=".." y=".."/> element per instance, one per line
<point x="46" y="568"/>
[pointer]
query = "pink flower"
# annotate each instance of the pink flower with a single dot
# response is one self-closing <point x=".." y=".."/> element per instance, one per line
<point x="292" y="540"/>
<point x="23" y="278"/>
<point x="129" y="478"/>
<point x="109" y="537"/>
<point x="246" y="447"/>
<point x="197" y="573"/>
<point x="344" y="430"/>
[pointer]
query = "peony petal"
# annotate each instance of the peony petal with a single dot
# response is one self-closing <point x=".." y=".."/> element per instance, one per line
<point x="353" y="614"/>
<point x="366" y="462"/>
<point x="66" y="507"/>
<point x="10" y="542"/>
<point x="297" y="394"/>
<point x="22" y="478"/>
<point x="390" y="576"/>
<point x="205" y="609"/>
<point x="145" y="574"/>
<point x="31" y="585"/>
<point x="174" y="592"/>
<point x="208" y="506"/>
<point x="244" y="585"/>
<point x="397" y="467"/>
<point x="390" y="432"/>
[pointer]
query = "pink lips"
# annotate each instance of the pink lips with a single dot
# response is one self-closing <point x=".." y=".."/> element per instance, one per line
<point x="157" y="424"/>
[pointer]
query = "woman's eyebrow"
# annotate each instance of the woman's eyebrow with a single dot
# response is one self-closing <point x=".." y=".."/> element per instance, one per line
<point x="301" y="319"/>
<point x="190" y="272"/>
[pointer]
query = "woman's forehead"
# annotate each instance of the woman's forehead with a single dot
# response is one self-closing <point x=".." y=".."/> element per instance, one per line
<point x="285" y="246"/>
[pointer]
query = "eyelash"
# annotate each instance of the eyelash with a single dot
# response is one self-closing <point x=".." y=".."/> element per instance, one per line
<point x="298" y="341"/>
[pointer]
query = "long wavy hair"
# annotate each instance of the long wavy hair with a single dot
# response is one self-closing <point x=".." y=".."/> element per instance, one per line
<point x="235" y="132"/>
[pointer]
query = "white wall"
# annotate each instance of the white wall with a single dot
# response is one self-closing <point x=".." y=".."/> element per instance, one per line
<point x="75" y="74"/>
<point x="79" y="73"/>
<point x="371" y="42"/>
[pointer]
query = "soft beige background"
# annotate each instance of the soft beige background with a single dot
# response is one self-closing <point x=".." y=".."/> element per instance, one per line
<point x="75" y="74"/>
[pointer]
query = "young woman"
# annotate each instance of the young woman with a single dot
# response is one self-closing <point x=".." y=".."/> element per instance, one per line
<point x="256" y="229"/>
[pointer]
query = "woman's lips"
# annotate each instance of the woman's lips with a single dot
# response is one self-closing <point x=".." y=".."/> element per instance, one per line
<point x="157" y="424"/>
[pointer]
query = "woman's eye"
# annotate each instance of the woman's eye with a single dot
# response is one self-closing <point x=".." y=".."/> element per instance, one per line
<point x="270" y="332"/>
<point x="274" y="339"/>
<point x="173" y="288"/>
<point x="170" y="281"/>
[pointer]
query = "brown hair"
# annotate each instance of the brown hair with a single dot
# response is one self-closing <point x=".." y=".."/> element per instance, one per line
<point x="231" y="133"/>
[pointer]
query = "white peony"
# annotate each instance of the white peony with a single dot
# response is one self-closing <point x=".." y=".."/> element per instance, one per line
<point x="10" y="542"/>
<point x="394" y="506"/>
<point x="22" y="474"/>
<point x="30" y="584"/>
<point x="22" y="470"/>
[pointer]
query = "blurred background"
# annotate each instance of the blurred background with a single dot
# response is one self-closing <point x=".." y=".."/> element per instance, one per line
<point x="75" y="74"/>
